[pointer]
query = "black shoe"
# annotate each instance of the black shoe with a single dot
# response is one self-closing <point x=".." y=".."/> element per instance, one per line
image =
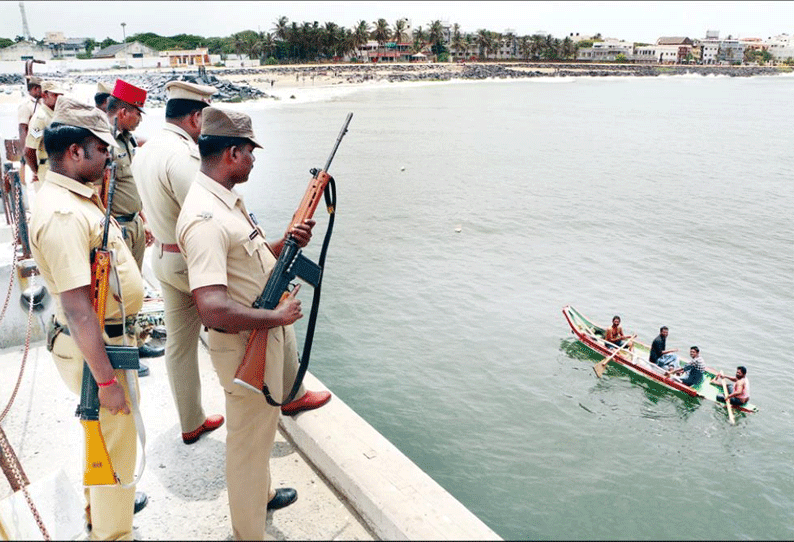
<point x="143" y="370"/>
<point x="141" y="500"/>
<point x="284" y="497"/>
<point x="149" y="351"/>
<point x="158" y="332"/>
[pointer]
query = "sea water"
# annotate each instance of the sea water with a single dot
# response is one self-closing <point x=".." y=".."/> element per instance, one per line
<point x="469" y="214"/>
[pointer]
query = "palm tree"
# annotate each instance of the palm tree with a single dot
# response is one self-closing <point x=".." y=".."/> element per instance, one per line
<point x="525" y="47"/>
<point x="419" y="39"/>
<point x="330" y="39"/>
<point x="537" y="46"/>
<point x="381" y="33"/>
<point x="458" y="43"/>
<point x="483" y="43"/>
<point x="567" y="48"/>
<point x="361" y="35"/>
<point x="434" y="36"/>
<point x="399" y="34"/>
<point x="281" y="29"/>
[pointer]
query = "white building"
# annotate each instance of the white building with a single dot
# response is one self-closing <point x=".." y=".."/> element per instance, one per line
<point x="780" y="47"/>
<point x="25" y="50"/>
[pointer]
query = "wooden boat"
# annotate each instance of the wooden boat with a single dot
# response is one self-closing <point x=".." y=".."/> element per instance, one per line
<point x="636" y="361"/>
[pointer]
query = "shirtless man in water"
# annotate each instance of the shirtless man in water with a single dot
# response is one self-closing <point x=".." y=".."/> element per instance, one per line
<point x="739" y="391"/>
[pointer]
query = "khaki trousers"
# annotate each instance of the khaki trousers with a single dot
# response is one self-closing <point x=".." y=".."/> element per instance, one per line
<point x="112" y="506"/>
<point x="250" y="429"/>
<point x="135" y="237"/>
<point x="182" y="327"/>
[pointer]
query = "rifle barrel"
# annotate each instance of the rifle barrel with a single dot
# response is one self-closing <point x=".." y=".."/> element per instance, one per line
<point x="338" y="141"/>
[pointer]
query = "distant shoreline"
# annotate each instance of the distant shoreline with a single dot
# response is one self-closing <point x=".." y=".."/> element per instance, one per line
<point x="279" y="81"/>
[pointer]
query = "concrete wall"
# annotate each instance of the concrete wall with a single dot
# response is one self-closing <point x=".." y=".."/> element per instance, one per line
<point x="396" y="499"/>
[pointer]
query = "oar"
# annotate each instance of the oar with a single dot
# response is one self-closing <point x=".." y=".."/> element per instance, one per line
<point x="727" y="402"/>
<point x="602" y="365"/>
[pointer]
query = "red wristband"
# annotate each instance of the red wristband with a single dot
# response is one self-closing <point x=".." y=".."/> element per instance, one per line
<point x="108" y="383"/>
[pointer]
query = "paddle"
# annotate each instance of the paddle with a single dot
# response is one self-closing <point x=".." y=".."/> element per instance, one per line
<point x="727" y="401"/>
<point x="601" y="366"/>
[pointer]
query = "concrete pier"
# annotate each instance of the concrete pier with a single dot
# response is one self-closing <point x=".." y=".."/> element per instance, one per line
<point x="352" y="483"/>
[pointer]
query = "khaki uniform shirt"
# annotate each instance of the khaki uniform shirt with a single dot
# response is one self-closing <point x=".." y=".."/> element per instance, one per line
<point x="164" y="169"/>
<point x="126" y="200"/>
<point x="66" y="224"/>
<point x="223" y="246"/>
<point x="26" y="109"/>
<point x="35" y="140"/>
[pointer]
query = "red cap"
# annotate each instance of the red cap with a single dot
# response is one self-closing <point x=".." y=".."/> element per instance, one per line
<point x="129" y="93"/>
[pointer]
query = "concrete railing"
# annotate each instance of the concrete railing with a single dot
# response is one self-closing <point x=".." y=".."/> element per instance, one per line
<point x="396" y="499"/>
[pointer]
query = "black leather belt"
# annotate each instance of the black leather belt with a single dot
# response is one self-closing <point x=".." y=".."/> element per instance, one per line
<point x="113" y="330"/>
<point x="126" y="218"/>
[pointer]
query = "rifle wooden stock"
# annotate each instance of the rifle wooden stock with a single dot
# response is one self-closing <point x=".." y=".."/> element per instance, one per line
<point x="98" y="469"/>
<point x="251" y="372"/>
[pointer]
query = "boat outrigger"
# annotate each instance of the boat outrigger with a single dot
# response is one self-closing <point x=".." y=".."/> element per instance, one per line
<point x="636" y="361"/>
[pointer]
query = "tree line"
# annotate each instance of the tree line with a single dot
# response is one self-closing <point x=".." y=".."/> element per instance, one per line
<point x="311" y="41"/>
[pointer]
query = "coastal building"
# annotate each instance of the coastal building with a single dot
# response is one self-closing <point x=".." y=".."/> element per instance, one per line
<point x="63" y="47"/>
<point x="606" y="51"/>
<point x="25" y="50"/>
<point x="731" y="51"/>
<point x="177" y="58"/>
<point x="122" y="51"/>
<point x="780" y="47"/>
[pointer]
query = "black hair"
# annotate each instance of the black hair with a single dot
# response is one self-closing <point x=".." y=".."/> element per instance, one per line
<point x="100" y="98"/>
<point x="743" y="369"/>
<point x="211" y="145"/>
<point x="176" y="108"/>
<point x="662" y="328"/>
<point x="59" y="137"/>
<point x="31" y="86"/>
<point x="114" y="104"/>
<point x="616" y="316"/>
<point x="695" y="348"/>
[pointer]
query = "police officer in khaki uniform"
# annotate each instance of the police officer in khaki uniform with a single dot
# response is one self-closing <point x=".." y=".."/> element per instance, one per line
<point x="125" y="107"/>
<point x="102" y="96"/>
<point x="164" y="170"/>
<point x="65" y="226"/>
<point x="229" y="261"/>
<point x="28" y="106"/>
<point x="35" y="153"/>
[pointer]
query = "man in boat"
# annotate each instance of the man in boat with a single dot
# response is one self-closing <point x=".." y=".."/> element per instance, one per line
<point x="738" y="387"/>
<point x="659" y="355"/>
<point x="694" y="369"/>
<point x="615" y="335"/>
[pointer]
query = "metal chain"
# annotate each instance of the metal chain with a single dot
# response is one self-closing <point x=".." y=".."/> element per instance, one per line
<point x="16" y="470"/>
<point x="16" y="467"/>
<point x="24" y="355"/>
<point x="14" y="247"/>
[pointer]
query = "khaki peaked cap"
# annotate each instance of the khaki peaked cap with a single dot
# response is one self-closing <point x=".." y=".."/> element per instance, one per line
<point x="33" y="80"/>
<point x="74" y="113"/>
<point x="53" y="87"/>
<point x="183" y="90"/>
<point x="102" y="88"/>
<point x="227" y="123"/>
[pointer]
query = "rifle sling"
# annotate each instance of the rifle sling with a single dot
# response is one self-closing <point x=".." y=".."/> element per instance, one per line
<point x="330" y="199"/>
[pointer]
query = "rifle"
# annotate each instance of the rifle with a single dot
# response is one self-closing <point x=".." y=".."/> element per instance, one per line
<point x="105" y="186"/>
<point x="291" y="263"/>
<point x="98" y="469"/>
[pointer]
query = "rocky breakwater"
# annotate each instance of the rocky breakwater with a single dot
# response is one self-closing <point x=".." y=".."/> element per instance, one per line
<point x="154" y="83"/>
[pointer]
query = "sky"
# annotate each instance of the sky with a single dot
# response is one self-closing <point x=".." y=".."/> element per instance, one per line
<point x="637" y="21"/>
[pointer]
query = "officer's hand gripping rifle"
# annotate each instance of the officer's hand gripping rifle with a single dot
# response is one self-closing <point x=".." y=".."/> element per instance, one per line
<point x="292" y="263"/>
